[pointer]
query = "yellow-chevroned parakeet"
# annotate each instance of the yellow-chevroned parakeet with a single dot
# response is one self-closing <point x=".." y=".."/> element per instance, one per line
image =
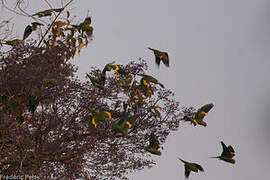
<point x="120" y="70"/>
<point x="14" y="42"/>
<point x="98" y="116"/>
<point x="47" y="12"/>
<point x="96" y="82"/>
<point x="154" y="145"/>
<point x="123" y="124"/>
<point x="199" y="116"/>
<point x="29" y="29"/>
<point x="85" y="26"/>
<point x="161" y="56"/>
<point x="189" y="166"/>
<point x="227" y="154"/>
<point x="146" y="79"/>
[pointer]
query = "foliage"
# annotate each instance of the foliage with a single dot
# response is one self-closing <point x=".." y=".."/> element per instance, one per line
<point x="46" y="114"/>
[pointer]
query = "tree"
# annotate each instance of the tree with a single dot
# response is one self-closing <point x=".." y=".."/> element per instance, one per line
<point x="55" y="126"/>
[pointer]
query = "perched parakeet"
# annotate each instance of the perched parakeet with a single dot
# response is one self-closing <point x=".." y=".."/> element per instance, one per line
<point x="32" y="103"/>
<point x="14" y="42"/>
<point x="96" y="82"/>
<point x="146" y="79"/>
<point x="47" y="12"/>
<point x="161" y="56"/>
<point x="123" y="124"/>
<point x="153" y="146"/>
<point x="227" y="154"/>
<point x="99" y="116"/>
<point x="189" y="166"/>
<point x="120" y="70"/>
<point x="199" y="116"/>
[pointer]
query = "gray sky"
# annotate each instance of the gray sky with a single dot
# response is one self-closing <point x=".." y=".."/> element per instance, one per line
<point x="219" y="52"/>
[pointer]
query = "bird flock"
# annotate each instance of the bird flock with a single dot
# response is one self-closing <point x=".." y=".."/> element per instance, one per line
<point x="125" y="121"/>
<point x="197" y="119"/>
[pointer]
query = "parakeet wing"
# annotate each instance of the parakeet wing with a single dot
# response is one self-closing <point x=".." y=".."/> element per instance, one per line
<point x="187" y="171"/>
<point x="206" y="108"/>
<point x="198" y="166"/>
<point x="27" y="32"/>
<point x="224" y="149"/>
<point x="154" y="142"/>
<point x="165" y="60"/>
<point x="202" y="111"/>
<point x="157" y="61"/>
<point x="123" y="119"/>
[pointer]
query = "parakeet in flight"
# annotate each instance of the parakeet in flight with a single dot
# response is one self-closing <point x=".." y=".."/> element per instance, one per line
<point x="199" y="116"/>
<point x="227" y="154"/>
<point x="161" y="56"/>
<point x="189" y="166"/>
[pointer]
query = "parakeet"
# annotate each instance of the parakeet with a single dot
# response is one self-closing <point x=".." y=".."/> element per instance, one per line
<point x="14" y="42"/>
<point x="98" y="116"/>
<point x="120" y="70"/>
<point x="199" y="116"/>
<point x="189" y="166"/>
<point x="161" y="56"/>
<point x="96" y="82"/>
<point x="227" y="154"/>
<point x="153" y="146"/>
<point x="47" y="12"/>
<point x="146" y="79"/>
<point x="123" y="124"/>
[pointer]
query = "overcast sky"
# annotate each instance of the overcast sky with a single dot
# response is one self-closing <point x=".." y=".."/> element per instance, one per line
<point x="219" y="52"/>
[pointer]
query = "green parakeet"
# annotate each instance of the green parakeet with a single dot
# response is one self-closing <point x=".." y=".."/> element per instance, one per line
<point x="96" y="82"/>
<point x="99" y="116"/>
<point x="120" y="70"/>
<point x="199" y="116"/>
<point x="123" y="124"/>
<point x="161" y="56"/>
<point x="189" y="166"/>
<point x="14" y="42"/>
<point x="227" y="154"/>
<point x="146" y="79"/>
<point x="153" y="146"/>
<point x="47" y="12"/>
